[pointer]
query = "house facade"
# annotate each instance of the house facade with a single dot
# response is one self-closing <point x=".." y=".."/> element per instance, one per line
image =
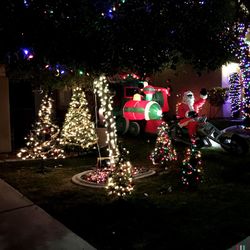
<point x="19" y="103"/>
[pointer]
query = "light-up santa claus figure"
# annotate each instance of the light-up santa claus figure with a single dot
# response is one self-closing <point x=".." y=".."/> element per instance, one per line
<point x="187" y="111"/>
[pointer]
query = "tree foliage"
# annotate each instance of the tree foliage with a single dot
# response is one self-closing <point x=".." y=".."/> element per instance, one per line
<point x="141" y="36"/>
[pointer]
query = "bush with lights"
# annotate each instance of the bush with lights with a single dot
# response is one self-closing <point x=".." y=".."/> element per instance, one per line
<point x="191" y="170"/>
<point x="120" y="182"/>
<point x="217" y="96"/>
<point x="43" y="141"/>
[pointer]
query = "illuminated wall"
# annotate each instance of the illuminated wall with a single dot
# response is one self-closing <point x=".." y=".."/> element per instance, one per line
<point x="185" y="78"/>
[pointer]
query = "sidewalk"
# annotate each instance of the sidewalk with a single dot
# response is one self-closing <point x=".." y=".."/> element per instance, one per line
<point x="25" y="226"/>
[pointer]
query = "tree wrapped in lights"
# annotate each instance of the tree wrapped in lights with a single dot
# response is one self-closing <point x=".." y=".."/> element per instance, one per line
<point x="244" y="56"/>
<point x="191" y="171"/>
<point x="43" y="141"/>
<point x="102" y="90"/>
<point x="78" y="129"/>
<point x="120" y="179"/>
<point x="164" y="151"/>
<point x="235" y="94"/>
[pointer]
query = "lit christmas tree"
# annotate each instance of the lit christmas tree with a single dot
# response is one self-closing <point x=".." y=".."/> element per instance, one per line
<point x="235" y="94"/>
<point x="42" y="141"/>
<point x="164" y="151"/>
<point x="78" y="129"/>
<point x="191" y="172"/>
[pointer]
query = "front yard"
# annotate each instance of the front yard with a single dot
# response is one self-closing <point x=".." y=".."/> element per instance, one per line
<point x="160" y="213"/>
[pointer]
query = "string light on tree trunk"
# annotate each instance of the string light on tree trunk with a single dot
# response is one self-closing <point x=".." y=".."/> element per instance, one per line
<point x="235" y="94"/>
<point x="101" y="89"/>
<point x="120" y="179"/>
<point x="244" y="56"/>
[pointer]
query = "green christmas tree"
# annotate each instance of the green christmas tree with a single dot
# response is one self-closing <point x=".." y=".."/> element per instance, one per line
<point x="42" y="141"/>
<point x="78" y="129"/>
<point x="164" y="151"/>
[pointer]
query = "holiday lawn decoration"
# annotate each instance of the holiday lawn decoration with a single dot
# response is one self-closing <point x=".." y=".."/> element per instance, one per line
<point x="164" y="151"/>
<point x="188" y="110"/>
<point x="117" y="179"/>
<point x="42" y="141"/>
<point x="102" y="91"/>
<point x="117" y="174"/>
<point x="120" y="180"/>
<point x="191" y="170"/>
<point x="235" y="90"/>
<point x="217" y="96"/>
<point x="207" y="132"/>
<point x="137" y="105"/>
<point x="244" y="57"/>
<point x="78" y="130"/>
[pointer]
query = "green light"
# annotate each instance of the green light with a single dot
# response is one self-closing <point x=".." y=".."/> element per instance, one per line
<point x="80" y="72"/>
<point x="155" y="112"/>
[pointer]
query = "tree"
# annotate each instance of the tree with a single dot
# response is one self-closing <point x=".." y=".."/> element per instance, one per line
<point x="43" y="141"/>
<point x="164" y="151"/>
<point x="78" y="129"/>
<point x="142" y="36"/>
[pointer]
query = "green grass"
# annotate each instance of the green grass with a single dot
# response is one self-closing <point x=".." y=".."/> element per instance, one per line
<point x="160" y="214"/>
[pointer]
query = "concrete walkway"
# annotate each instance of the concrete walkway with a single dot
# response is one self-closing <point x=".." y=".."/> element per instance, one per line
<point x="25" y="226"/>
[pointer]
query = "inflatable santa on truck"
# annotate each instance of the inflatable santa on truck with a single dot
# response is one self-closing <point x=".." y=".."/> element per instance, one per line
<point x="188" y="110"/>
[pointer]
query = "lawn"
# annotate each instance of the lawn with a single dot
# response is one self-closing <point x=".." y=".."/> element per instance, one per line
<point x="160" y="214"/>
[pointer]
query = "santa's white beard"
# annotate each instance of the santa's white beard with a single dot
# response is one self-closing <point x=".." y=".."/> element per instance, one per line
<point x="189" y="102"/>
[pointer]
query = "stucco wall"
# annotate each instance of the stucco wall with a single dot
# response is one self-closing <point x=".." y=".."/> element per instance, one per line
<point x="185" y="78"/>
<point x="5" y="135"/>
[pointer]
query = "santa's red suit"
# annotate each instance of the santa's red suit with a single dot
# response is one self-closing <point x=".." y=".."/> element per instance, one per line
<point x="189" y="104"/>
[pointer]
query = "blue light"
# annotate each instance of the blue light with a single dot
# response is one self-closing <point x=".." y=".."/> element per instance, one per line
<point x="26" y="51"/>
<point x="26" y="3"/>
